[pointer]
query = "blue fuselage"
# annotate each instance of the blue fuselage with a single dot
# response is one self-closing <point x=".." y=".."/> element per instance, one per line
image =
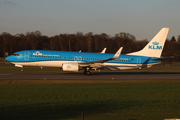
<point x="47" y="58"/>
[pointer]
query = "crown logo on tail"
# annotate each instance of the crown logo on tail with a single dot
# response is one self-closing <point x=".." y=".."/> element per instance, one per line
<point x="155" y="46"/>
<point x="155" y="43"/>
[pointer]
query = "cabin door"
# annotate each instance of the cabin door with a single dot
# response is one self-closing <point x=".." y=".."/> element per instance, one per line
<point x="26" y="56"/>
<point x="138" y="61"/>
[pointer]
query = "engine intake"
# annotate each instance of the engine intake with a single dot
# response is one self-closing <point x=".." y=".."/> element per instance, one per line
<point x="70" y="67"/>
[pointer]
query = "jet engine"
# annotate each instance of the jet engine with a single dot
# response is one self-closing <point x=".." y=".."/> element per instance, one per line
<point x="70" y="67"/>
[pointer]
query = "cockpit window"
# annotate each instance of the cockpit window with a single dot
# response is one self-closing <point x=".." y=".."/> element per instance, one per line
<point x="15" y="54"/>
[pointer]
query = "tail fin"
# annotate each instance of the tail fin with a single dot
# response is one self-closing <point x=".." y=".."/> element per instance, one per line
<point x="155" y="46"/>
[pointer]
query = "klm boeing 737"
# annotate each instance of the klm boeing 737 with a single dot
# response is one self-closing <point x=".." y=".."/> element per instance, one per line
<point x="73" y="61"/>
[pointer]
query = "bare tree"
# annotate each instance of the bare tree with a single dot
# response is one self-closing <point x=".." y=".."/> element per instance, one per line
<point x="89" y="41"/>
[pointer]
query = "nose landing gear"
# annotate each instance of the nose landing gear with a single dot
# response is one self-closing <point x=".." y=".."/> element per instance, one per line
<point x="22" y="70"/>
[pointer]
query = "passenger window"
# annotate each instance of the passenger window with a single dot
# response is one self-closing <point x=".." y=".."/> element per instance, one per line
<point x="16" y="54"/>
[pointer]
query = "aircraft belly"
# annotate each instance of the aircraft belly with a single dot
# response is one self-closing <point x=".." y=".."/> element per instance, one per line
<point x="126" y="68"/>
<point x="41" y="63"/>
<point x="119" y="66"/>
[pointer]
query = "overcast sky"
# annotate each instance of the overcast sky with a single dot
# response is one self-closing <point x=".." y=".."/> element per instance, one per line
<point x="141" y="18"/>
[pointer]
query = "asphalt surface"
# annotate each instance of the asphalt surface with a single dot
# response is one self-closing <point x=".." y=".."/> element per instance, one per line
<point x="93" y="76"/>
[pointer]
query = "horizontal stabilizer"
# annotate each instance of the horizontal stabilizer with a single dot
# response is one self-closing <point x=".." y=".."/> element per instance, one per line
<point x="161" y="58"/>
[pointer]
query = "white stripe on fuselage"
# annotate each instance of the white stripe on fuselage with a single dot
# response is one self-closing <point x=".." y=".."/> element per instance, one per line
<point x="44" y="63"/>
<point x="112" y="66"/>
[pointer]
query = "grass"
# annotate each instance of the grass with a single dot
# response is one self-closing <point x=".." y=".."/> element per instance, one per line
<point x="117" y="100"/>
<point x="99" y="100"/>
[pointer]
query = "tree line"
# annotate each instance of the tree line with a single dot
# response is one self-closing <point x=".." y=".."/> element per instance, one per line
<point x="85" y="42"/>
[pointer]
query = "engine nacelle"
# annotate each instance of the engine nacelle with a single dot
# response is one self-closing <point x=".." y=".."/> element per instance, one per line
<point x="70" y="67"/>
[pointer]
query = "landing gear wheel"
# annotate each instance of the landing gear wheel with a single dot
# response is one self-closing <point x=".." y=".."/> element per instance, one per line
<point x="87" y="72"/>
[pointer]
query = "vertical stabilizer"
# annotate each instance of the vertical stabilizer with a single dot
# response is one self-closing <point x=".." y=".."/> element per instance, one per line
<point x="155" y="46"/>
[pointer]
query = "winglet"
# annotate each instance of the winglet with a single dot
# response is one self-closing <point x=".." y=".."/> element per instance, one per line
<point x="104" y="50"/>
<point x="117" y="53"/>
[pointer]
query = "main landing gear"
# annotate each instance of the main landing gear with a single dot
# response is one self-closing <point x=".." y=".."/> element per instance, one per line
<point x="87" y="72"/>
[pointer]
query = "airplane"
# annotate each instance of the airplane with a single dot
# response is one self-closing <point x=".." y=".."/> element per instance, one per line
<point x="74" y="61"/>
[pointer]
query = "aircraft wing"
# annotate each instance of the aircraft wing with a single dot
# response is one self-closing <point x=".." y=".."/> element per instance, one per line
<point x="98" y="62"/>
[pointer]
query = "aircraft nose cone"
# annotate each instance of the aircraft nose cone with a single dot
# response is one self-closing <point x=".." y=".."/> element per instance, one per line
<point x="8" y="58"/>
